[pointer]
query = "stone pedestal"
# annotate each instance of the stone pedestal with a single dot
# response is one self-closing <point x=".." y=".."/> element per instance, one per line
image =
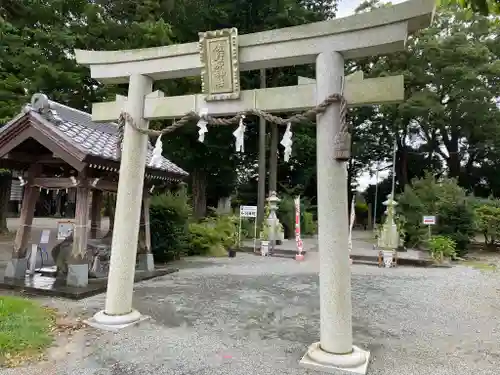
<point x="115" y="322"/>
<point x="16" y="268"/>
<point x="145" y="262"/>
<point x="319" y="360"/>
<point x="78" y="275"/>
<point x="274" y="222"/>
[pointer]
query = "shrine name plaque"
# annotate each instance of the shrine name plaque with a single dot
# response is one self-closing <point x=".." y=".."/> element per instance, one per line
<point x="220" y="74"/>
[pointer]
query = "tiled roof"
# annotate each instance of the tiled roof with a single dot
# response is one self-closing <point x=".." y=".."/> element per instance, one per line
<point x="96" y="139"/>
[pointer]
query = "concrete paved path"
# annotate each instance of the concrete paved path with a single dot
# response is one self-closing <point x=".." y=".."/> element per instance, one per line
<point x="253" y="315"/>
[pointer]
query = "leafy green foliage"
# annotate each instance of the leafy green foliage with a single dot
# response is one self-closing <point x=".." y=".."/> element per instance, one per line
<point x="484" y="7"/>
<point x="213" y="236"/>
<point x="214" y="164"/>
<point x="308" y="225"/>
<point x="449" y="121"/>
<point x="286" y="215"/>
<point x="361" y="209"/>
<point x="444" y="199"/>
<point x="442" y="247"/>
<point x="169" y="214"/>
<point x="25" y="327"/>
<point x="488" y="221"/>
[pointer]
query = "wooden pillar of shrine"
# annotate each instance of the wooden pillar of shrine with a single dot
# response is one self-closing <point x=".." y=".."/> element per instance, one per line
<point x="145" y="258"/>
<point x="78" y="267"/>
<point x="261" y="190"/>
<point x="95" y="213"/>
<point x="273" y="159"/>
<point x="16" y="268"/>
<point x="146" y="202"/>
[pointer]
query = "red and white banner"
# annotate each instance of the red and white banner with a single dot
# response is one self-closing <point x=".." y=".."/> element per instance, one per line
<point x="298" y="240"/>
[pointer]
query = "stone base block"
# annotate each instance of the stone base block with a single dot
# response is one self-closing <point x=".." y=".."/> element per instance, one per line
<point x="115" y="323"/>
<point x="319" y="360"/>
<point x="145" y="262"/>
<point x="16" y="268"/>
<point x="78" y="275"/>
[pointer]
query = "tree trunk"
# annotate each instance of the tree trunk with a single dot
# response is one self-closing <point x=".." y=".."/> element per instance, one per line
<point x="199" y="193"/>
<point x="5" y="184"/>
<point x="454" y="164"/>
<point x="403" y="167"/>
<point x="453" y="161"/>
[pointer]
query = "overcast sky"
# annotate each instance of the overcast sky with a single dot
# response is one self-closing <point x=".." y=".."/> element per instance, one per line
<point x="346" y="7"/>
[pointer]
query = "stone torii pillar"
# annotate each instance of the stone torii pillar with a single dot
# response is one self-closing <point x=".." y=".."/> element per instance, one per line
<point x="327" y="44"/>
<point x="118" y="309"/>
<point x="336" y="343"/>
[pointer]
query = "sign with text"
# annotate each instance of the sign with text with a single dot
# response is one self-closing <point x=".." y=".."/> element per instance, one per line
<point x="248" y="211"/>
<point x="220" y="74"/>
<point x="429" y="220"/>
<point x="64" y="229"/>
<point x="45" y="237"/>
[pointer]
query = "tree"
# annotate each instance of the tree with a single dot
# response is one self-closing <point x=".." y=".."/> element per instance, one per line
<point x="483" y="7"/>
<point x="214" y="164"/>
<point x="449" y="115"/>
<point x="443" y="199"/>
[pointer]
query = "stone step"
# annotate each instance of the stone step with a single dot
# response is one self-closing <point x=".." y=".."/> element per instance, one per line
<point x="401" y="260"/>
<point x="365" y="262"/>
<point x="282" y="253"/>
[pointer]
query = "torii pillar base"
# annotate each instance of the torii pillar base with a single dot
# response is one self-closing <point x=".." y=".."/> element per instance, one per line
<point x="115" y="323"/>
<point x="319" y="360"/>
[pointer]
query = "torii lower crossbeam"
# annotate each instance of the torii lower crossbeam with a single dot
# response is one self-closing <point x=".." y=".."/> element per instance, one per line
<point x="357" y="92"/>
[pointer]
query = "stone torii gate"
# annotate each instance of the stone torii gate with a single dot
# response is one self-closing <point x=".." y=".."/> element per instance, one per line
<point x="223" y="54"/>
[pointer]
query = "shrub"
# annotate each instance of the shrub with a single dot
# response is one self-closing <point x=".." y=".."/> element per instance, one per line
<point x="487" y="217"/>
<point x="286" y="215"/>
<point x="248" y="228"/>
<point x="213" y="236"/>
<point x="361" y="210"/>
<point x="444" y="199"/>
<point x="442" y="247"/>
<point x="169" y="215"/>
<point x="309" y="226"/>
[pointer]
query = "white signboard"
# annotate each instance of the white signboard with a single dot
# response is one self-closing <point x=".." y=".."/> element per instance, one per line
<point x="32" y="265"/>
<point x="64" y="229"/>
<point x="429" y="220"/>
<point x="45" y="238"/>
<point x="248" y="211"/>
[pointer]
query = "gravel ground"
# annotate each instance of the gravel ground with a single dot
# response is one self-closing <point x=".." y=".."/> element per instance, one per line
<point x="253" y="315"/>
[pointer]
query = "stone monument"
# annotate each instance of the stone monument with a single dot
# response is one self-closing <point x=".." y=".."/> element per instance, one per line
<point x="272" y="219"/>
<point x="388" y="240"/>
<point x="223" y="54"/>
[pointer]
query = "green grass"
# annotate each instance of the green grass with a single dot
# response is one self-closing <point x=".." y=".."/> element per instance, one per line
<point x="25" y="329"/>
<point x="482" y="266"/>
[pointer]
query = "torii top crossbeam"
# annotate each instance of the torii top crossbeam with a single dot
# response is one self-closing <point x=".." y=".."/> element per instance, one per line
<point x="378" y="32"/>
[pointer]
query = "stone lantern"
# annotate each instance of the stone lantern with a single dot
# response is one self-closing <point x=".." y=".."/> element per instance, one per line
<point x="272" y="219"/>
<point x="388" y="240"/>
